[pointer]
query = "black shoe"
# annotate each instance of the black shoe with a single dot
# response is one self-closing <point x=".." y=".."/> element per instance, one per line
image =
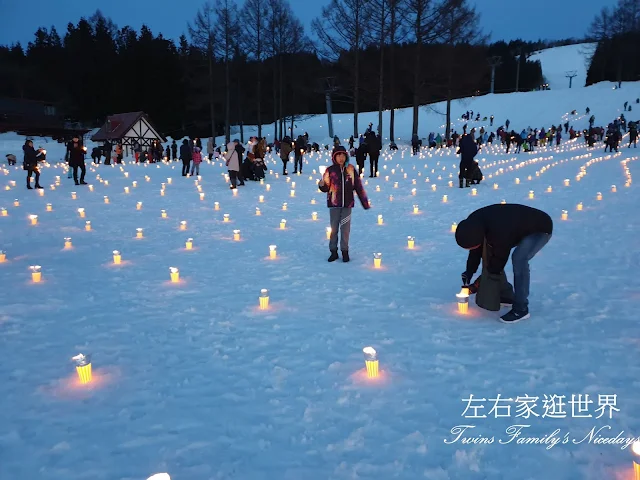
<point x="39" y="187"/>
<point x="82" y="182"/>
<point x="334" y="256"/>
<point x="77" y="183"/>
<point x="241" y="184"/>
<point x="29" y="187"/>
<point x="460" y="183"/>
<point x="232" y="187"/>
<point x="345" y="256"/>
<point x="370" y="176"/>
<point x="514" y="317"/>
<point x="285" y="173"/>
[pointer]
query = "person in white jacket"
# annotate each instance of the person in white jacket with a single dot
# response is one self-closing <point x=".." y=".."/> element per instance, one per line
<point x="233" y="163"/>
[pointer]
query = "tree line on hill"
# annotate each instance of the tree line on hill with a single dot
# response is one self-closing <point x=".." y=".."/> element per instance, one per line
<point x="255" y="65"/>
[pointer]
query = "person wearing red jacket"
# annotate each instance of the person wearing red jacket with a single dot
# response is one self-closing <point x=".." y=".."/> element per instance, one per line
<point x="339" y="182"/>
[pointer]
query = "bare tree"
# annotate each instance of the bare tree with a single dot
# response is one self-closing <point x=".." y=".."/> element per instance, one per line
<point x="227" y="23"/>
<point x="256" y="14"/>
<point x="342" y="29"/>
<point x="203" y="36"/>
<point x="397" y="33"/>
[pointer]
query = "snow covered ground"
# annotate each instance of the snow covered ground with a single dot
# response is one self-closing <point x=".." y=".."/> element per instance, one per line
<point x="557" y="61"/>
<point x="194" y="380"/>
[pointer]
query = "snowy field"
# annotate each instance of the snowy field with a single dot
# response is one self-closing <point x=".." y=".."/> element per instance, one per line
<point x="194" y="380"/>
<point x="556" y="62"/>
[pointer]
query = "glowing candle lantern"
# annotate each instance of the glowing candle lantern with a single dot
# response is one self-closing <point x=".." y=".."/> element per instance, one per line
<point x="34" y="219"/>
<point x="81" y="212"/>
<point x="635" y="451"/>
<point x="328" y="233"/>
<point x="126" y="174"/>
<point x="377" y="188"/>
<point x="579" y="207"/>
<point x="313" y="201"/>
<point x="36" y="273"/>
<point x="371" y="362"/>
<point x="174" y="273"/>
<point x="258" y="213"/>
<point x="41" y="192"/>
<point x="3" y="256"/>
<point x="599" y="196"/>
<point x="189" y="244"/>
<point x="67" y="243"/>
<point x="183" y="225"/>
<point x="106" y="199"/>
<point x="454" y="227"/>
<point x="235" y="192"/>
<point x="444" y="199"/>
<point x="565" y="215"/>
<point x="225" y="218"/>
<point x="495" y="186"/>
<point x="139" y="233"/>
<point x="272" y="251"/>
<point x="126" y="189"/>
<point x="503" y="202"/>
<point x="549" y="189"/>
<point x="135" y="184"/>
<point x="139" y="206"/>
<point x="395" y="185"/>
<point x="463" y="301"/>
<point x="169" y="180"/>
<point x="531" y="195"/>
<point x="474" y="192"/>
<point x="74" y="195"/>
<point x="117" y="257"/>
<point x="87" y="226"/>
<point x="261" y="198"/>
<point x="411" y="243"/>
<point x="517" y="181"/>
<point x="4" y="212"/>
<point x="314" y="216"/>
<point x="380" y="220"/>
<point x="283" y="224"/>
<point x="413" y="192"/>
<point x="391" y="198"/>
<point x="293" y="193"/>
<point x="613" y="189"/>
<point x="16" y="203"/>
<point x="216" y="206"/>
<point x="163" y="213"/>
<point x="433" y="187"/>
<point x="83" y="368"/>
<point x="268" y="187"/>
<point x="284" y="206"/>
<point x="567" y="182"/>
<point x="236" y="235"/>
<point x="377" y="260"/>
<point x="264" y="299"/>
<point x="416" y="209"/>
<point x="162" y="192"/>
<point x="106" y="182"/>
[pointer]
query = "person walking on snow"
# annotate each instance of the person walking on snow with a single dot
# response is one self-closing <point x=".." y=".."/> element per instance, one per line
<point x="233" y="163"/>
<point x="339" y="182"/>
<point x="211" y="146"/>
<point x="174" y="151"/>
<point x="31" y="163"/>
<point x="76" y="152"/>
<point x="468" y="150"/>
<point x="497" y="229"/>
<point x="185" y="156"/>
<point x="285" y="151"/>
<point x="197" y="160"/>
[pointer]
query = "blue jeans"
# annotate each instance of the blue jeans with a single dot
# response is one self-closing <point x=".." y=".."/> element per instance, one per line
<point x="520" y="258"/>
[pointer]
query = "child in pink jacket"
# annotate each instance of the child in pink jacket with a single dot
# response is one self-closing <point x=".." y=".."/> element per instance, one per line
<point x="197" y="160"/>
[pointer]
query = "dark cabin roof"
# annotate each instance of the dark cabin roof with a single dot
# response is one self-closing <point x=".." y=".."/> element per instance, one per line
<point x="119" y="124"/>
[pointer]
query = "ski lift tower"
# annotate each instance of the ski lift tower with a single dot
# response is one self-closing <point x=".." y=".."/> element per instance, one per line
<point x="571" y="75"/>
<point x="494" y="62"/>
<point x="329" y="89"/>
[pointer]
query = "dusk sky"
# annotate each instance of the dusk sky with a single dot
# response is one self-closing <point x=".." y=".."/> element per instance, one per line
<point x="19" y="19"/>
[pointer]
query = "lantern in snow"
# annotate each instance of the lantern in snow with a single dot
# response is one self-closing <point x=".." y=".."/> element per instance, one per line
<point x="377" y="260"/>
<point x="395" y="185"/>
<point x="463" y="301"/>
<point x="293" y="193"/>
<point x="261" y="198"/>
<point x="314" y="216"/>
<point x="16" y="203"/>
<point x="433" y="187"/>
<point x="599" y="196"/>
<point x="163" y="213"/>
<point x="74" y="195"/>
<point x="264" y="299"/>
<point x="216" y="206"/>
<point x="87" y="226"/>
<point x="474" y="192"/>
<point x="235" y="192"/>
<point x="566" y="182"/>
<point x="613" y="189"/>
<point x="81" y="212"/>
<point x="83" y="368"/>
<point x="272" y="252"/>
<point x="236" y="235"/>
<point x="377" y="188"/>
<point x="416" y="209"/>
<point x="41" y="192"/>
<point x="225" y="218"/>
<point x="36" y="273"/>
<point x="135" y="184"/>
<point x="411" y="243"/>
<point x="391" y="198"/>
<point x="531" y="195"/>
<point x="517" y="181"/>
<point x="565" y="215"/>
<point x="4" y="212"/>
<point x="139" y="206"/>
<point x="579" y="207"/>
<point x="313" y="201"/>
<point x="328" y="230"/>
<point x="183" y="225"/>
<point x="454" y="227"/>
<point x="91" y="188"/>
<point x="162" y="192"/>
<point x="169" y="180"/>
<point x="106" y="199"/>
<point x="283" y="224"/>
<point x="445" y="199"/>
<point x="503" y="201"/>
<point x="33" y="219"/>
<point x="380" y="220"/>
<point x="371" y="362"/>
<point x="258" y="213"/>
<point x="268" y="187"/>
<point x="67" y="243"/>
<point x="284" y="206"/>
<point x="126" y="189"/>
<point x="174" y="273"/>
<point x="495" y="186"/>
<point x="189" y="244"/>
<point x="3" y="256"/>
<point x="413" y="192"/>
<point x="117" y="258"/>
<point x="139" y="233"/>
<point x="549" y="189"/>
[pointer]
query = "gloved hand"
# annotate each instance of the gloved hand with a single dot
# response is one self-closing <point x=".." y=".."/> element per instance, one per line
<point x="466" y="278"/>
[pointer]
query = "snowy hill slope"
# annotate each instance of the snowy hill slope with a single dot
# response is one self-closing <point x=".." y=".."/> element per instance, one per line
<point x="557" y="61"/>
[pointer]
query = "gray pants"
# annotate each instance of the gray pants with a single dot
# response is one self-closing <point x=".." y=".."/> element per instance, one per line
<point x="340" y="219"/>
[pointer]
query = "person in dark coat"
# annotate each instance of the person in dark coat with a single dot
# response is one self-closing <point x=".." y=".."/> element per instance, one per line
<point x="185" y="156"/>
<point x="374" y="145"/>
<point x="300" y="148"/>
<point x="76" y="152"/>
<point x="361" y="156"/>
<point x="31" y="162"/>
<point x="174" y="151"/>
<point x="106" y="150"/>
<point x="501" y="228"/>
<point x="96" y="153"/>
<point x="468" y="150"/>
<point x="167" y="153"/>
<point x="285" y="150"/>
